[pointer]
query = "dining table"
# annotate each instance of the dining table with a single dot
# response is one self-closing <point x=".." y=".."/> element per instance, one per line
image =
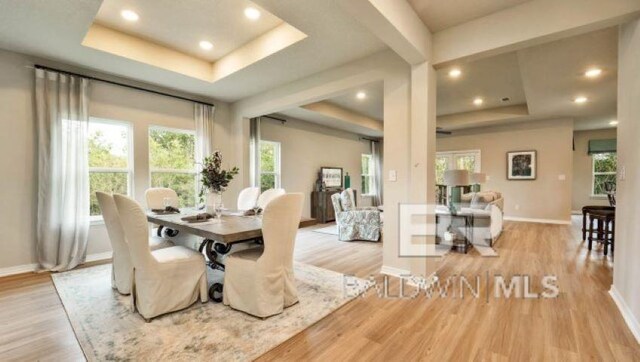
<point x="218" y="235"/>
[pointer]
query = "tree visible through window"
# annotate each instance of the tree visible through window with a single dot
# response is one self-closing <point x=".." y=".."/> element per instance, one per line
<point x="110" y="166"/>
<point x="604" y="172"/>
<point x="172" y="162"/>
<point x="368" y="174"/>
<point x="269" y="165"/>
<point x="456" y="160"/>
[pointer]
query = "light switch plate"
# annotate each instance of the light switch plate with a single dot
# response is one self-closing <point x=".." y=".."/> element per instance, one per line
<point x="562" y="177"/>
<point x="488" y="177"/>
<point x="623" y="173"/>
<point x="393" y="175"/>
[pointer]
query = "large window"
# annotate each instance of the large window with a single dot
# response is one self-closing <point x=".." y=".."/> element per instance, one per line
<point x="110" y="161"/>
<point x="604" y="172"/>
<point x="172" y="162"/>
<point x="269" y="165"/>
<point x="457" y="160"/>
<point x="368" y="174"/>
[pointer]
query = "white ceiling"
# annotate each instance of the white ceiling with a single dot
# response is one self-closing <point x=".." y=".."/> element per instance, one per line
<point x="324" y="120"/>
<point x="371" y="106"/>
<point x="181" y="25"/>
<point x="541" y="82"/>
<point x="441" y="14"/>
<point x="55" y="30"/>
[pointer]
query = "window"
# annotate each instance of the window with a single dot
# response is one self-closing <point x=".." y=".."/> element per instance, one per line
<point x="457" y="160"/>
<point x="269" y="165"/>
<point x="172" y="162"/>
<point x="368" y="174"/>
<point x="604" y="172"/>
<point x="110" y="162"/>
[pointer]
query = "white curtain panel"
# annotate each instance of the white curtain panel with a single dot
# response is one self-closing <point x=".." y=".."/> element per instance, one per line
<point x="254" y="145"/>
<point x="376" y="152"/>
<point x="63" y="175"/>
<point x="203" y="115"/>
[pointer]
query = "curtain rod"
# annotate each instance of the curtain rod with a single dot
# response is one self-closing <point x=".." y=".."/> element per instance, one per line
<point x="38" y="66"/>
<point x="275" y="118"/>
<point x="368" y="139"/>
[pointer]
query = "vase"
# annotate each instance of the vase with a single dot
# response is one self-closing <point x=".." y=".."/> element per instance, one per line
<point x="214" y="204"/>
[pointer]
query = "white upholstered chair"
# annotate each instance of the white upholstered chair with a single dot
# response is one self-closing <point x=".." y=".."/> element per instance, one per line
<point x="164" y="280"/>
<point x="122" y="269"/>
<point x="269" y="195"/>
<point x="260" y="281"/>
<point x="248" y="198"/>
<point x="155" y="197"/>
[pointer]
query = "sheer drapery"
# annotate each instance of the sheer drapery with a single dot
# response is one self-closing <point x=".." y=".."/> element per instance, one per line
<point x="376" y="153"/>
<point x="203" y="115"/>
<point x="254" y="139"/>
<point x="63" y="174"/>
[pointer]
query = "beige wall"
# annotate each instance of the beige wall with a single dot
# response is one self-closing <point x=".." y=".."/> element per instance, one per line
<point x="18" y="149"/>
<point x="305" y="147"/>
<point x="582" y="168"/>
<point x="626" y="284"/>
<point x="547" y="197"/>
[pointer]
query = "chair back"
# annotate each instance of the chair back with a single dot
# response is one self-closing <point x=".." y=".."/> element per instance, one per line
<point x="136" y="230"/>
<point x="155" y="197"/>
<point x="114" y="227"/>
<point x="352" y="197"/>
<point x="280" y="222"/>
<point x="337" y="206"/>
<point x="269" y="195"/>
<point x="248" y="198"/>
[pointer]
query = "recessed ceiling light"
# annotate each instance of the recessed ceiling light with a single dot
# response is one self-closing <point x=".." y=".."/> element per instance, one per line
<point x="252" y="13"/>
<point x="580" y="100"/>
<point x="455" y="73"/>
<point x="478" y="101"/>
<point x="361" y="95"/>
<point x="613" y="123"/>
<point x="206" y="45"/>
<point x="129" y="15"/>
<point x="593" y="72"/>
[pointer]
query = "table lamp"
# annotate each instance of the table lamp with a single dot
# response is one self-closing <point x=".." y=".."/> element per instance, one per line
<point x="455" y="179"/>
<point x="477" y="178"/>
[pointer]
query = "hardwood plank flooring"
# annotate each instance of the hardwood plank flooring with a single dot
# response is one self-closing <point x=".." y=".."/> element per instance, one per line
<point x="582" y="323"/>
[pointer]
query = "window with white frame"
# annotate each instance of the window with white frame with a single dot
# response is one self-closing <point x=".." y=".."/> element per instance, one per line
<point x="456" y="160"/>
<point x="604" y="166"/>
<point x="368" y="173"/>
<point x="172" y="162"/>
<point x="269" y="165"/>
<point x="110" y="160"/>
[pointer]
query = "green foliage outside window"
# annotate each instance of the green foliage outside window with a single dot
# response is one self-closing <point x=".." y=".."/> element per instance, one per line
<point x="604" y="172"/>
<point x="172" y="163"/>
<point x="269" y="155"/>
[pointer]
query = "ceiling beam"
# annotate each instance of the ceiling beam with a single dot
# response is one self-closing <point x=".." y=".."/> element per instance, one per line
<point x="396" y="24"/>
<point x="331" y="110"/>
<point x="531" y="23"/>
<point x="481" y="118"/>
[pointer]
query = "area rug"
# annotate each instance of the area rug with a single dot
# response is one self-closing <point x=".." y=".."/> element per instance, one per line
<point x="107" y="329"/>
<point x="332" y="230"/>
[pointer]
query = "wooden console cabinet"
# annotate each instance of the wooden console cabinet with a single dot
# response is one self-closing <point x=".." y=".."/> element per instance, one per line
<point x="322" y="207"/>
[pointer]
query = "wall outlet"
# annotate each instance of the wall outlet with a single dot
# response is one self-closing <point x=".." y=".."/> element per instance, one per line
<point x="517" y="207"/>
<point x="393" y="176"/>
<point x="488" y="177"/>
<point x="562" y="177"/>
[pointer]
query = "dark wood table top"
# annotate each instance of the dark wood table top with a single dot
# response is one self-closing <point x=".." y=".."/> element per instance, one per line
<point x="232" y="229"/>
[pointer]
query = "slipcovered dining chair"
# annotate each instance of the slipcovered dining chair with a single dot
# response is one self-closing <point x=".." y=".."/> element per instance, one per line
<point x="260" y="281"/>
<point x="165" y="280"/>
<point x="155" y="197"/>
<point x="248" y="198"/>
<point x="122" y="269"/>
<point x="269" y="195"/>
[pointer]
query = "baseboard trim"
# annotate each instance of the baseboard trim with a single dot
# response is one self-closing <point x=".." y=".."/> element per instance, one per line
<point x="576" y="212"/>
<point x="540" y="221"/>
<point x="30" y="268"/>
<point x="627" y="315"/>
<point x="394" y="272"/>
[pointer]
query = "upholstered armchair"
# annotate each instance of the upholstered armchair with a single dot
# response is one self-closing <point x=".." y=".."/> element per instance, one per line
<point x="355" y="223"/>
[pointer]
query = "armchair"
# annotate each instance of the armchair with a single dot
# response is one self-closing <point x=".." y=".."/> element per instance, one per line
<point x="355" y="224"/>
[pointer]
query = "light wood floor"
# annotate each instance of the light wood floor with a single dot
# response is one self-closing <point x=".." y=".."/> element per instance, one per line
<point x="582" y="323"/>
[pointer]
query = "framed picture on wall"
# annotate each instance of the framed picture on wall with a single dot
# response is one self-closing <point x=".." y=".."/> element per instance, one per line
<point x="521" y="165"/>
<point x="332" y="177"/>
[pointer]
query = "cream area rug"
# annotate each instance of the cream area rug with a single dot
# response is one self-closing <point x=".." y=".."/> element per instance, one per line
<point x="107" y="329"/>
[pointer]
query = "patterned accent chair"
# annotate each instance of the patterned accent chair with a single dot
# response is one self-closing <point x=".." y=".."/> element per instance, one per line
<point x="354" y="223"/>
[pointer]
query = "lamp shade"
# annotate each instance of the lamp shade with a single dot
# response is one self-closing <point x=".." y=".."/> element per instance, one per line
<point x="456" y="177"/>
<point x="478" y="178"/>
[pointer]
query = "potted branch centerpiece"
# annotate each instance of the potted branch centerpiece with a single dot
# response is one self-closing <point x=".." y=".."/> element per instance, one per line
<point x="215" y="181"/>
